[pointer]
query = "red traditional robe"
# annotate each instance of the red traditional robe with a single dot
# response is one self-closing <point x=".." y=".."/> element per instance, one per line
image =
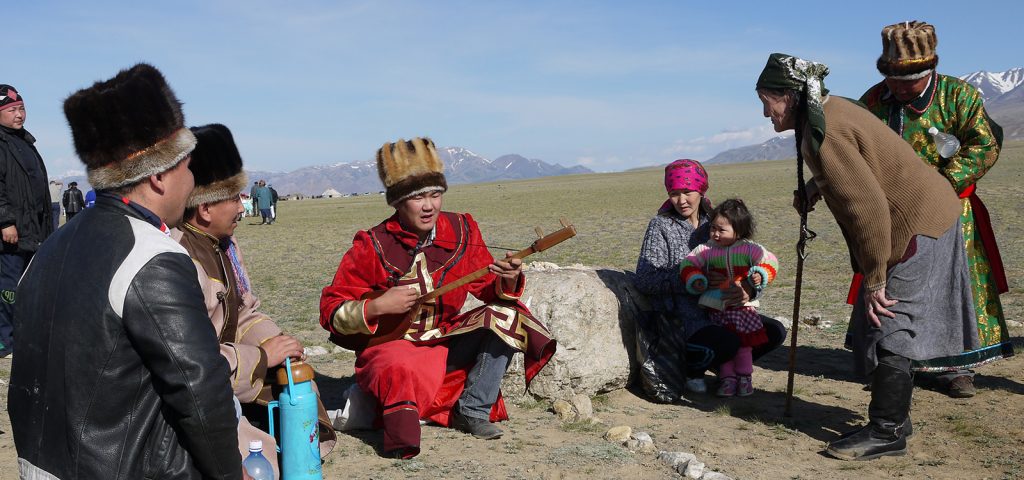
<point x="408" y="376"/>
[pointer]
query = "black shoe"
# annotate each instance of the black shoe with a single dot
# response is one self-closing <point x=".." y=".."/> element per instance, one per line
<point x="908" y="430"/>
<point x="870" y="442"/>
<point x="478" y="427"/>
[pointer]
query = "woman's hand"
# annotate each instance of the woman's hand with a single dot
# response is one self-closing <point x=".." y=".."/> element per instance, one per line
<point x="509" y="270"/>
<point x="396" y="300"/>
<point x="280" y="348"/>
<point x="813" y="195"/>
<point x="875" y="304"/>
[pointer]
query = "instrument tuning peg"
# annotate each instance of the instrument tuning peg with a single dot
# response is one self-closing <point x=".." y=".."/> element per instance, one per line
<point x="564" y="222"/>
<point x="540" y="233"/>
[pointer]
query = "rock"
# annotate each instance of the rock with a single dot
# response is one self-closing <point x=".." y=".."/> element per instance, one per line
<point x="675" y="459"/>
<point x="1014" y="324"/>
<point x="812" y="320"/>
<point x="618" y="434"/>
<point x="640" y="442"/>
<point x="785" y="322"/>
<point x="583" y="406"/>
<point x="314" y="351"/>
<point x="591" y="312"/>
<point x="712" y="475"/>
<point x="563" y="410"/>
<point x="694" y="469"/>
<point x="338" y="349"/>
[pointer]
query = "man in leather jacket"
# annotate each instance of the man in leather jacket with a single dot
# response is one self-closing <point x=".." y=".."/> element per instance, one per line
<point x="118" y="373"/>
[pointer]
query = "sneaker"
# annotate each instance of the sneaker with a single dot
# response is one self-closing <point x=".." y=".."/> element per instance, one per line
<point x="727" y="387"/>
<point x="745" y="387"/>
<point x="696" y="385"/>
<point x="478" y="427"/>
<point x="962" y="387"/>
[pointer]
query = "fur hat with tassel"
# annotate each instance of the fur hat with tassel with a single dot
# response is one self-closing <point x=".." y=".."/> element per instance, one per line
<point x="410" y="168"/>
<point x="908" y="51"/>
<point x="216" y="166"/>
<point x="128" y="128"/>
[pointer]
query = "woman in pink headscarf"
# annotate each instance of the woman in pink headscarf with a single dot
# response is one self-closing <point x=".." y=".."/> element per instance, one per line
<point x="682" y="344"/>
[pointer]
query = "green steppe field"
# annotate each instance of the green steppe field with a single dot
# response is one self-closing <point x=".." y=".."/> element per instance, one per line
<point x="980" y="437"/>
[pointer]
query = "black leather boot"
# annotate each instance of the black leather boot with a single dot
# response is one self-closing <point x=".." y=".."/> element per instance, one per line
<point x="888" y="416"/>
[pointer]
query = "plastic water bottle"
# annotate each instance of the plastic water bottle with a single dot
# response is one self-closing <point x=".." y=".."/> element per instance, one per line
<point x="256" y="464"/>
<point x="947" y="145"/>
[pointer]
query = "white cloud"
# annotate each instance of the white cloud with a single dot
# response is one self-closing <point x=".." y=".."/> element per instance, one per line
<point x="705" y="147"/>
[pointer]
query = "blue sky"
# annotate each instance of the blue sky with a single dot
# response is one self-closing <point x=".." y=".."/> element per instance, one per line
<point x="611" y="85"/>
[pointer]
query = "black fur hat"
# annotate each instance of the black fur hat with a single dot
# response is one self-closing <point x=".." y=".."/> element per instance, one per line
<point x="216" y="165"/>
<point x="128" y="128"/>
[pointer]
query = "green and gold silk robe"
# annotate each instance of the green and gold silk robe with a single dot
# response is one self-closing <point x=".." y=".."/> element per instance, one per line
<point x="955" y="107"/>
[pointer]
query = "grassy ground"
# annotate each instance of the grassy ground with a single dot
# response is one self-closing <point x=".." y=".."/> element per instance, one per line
<point x="747" y="438"/>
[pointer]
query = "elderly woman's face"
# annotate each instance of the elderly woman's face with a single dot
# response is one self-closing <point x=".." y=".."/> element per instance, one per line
<point x="779" y="108"/>
<point x="686" y="202"/>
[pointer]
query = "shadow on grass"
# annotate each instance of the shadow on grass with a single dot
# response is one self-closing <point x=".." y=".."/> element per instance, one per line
<point x="831" y="363"/>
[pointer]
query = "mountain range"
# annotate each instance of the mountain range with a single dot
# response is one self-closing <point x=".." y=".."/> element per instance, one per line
<point x="1004" y="101"/>
<point x="461" y="166"/>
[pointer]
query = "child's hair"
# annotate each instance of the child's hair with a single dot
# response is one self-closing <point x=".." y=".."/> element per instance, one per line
<point x="735" y="211"/>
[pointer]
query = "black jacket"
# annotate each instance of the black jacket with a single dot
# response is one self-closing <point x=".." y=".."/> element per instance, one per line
<point x="73" y="200"/>
<point x="23" y="203"/>
<point x="118" y="373"/>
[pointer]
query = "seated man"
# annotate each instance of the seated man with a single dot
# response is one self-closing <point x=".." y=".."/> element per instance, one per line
<point x="447" y="367"/>
<point x="250" y="341"/>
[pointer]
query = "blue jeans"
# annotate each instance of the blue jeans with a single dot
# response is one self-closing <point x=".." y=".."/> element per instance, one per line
<point x="490" y="357"/>
<point x="12" y="265"/>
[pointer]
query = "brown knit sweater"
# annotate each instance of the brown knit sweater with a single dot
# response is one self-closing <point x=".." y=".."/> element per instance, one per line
<point x="878" y="189"/>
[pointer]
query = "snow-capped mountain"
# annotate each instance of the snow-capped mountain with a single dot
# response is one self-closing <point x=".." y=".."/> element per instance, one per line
<point x="992" y="85"/>
<point x="777" y="148"/>
<point x="461" y="166"/>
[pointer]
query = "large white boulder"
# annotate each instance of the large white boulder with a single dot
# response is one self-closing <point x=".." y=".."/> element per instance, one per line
<point x="591" y="313"/>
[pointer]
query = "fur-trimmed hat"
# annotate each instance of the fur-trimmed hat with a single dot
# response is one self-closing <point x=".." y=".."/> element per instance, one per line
<point x="908" y="50"/>
<point x="128" y="128"/>
<point x="409" y="168"/>
<point x="9" y="97"/>
<point x="216" y="166"/>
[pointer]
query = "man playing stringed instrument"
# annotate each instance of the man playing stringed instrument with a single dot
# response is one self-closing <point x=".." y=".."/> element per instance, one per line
<point x="443" y="366"/>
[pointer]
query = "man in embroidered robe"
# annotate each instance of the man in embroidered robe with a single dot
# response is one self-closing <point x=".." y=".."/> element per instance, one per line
<point x="448" y="366"/>
<point x="912" y="99"/>
<point x="250" y="341"/>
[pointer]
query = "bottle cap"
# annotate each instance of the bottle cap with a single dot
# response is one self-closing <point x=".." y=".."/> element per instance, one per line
<point x="933" y="131"/>
<point x="256" y="445"/>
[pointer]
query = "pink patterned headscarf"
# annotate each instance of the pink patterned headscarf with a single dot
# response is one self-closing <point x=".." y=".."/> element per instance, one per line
<point x="685" y="174"/>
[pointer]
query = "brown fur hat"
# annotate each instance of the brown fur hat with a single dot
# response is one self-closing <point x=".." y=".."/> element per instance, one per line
<point x="409" y="168"/>
<point x="216" y="166"/>
<point x="128" y="128"/>
<point x="908" y="50"/>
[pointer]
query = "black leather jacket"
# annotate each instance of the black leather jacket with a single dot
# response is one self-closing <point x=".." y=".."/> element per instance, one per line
<point x="118" y="373"/>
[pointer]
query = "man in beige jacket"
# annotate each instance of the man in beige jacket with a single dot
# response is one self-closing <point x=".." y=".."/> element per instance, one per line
<point x="250" y="341"/>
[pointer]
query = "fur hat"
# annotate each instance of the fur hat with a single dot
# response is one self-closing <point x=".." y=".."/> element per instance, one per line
<point x="9" y="97"/>
<point x="908" y="50"/>
<point x="128" y="128"/>
<point x="216" y="166"/>
<point x="409" y="168"/>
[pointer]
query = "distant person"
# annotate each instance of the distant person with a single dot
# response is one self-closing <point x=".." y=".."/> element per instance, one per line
<point x="73" y="201"/>
<point x="90" y="199"/>
<point x="26" y="209"/>
<point x="121" y="374"/>
<point x="247" y="205"/>
<point x="913" y="98"/>
<point x="251" y="342"/>
<point x="732" y="255"/>
<point x="901" y="222"/>
<point x="265" y="200"/>
<point x="252" y="195"/>
<point x="448" y="366"/>
<point x="694" y="344"/>
<point x="273" y="203"/>
<point x="55" y="192"/>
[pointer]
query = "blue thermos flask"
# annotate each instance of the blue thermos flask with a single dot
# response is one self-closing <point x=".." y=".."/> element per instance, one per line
<point x="299" y="443"/>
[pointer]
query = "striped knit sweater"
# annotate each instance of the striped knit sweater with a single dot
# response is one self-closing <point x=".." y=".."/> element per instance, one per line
<point x="738" y="261"/>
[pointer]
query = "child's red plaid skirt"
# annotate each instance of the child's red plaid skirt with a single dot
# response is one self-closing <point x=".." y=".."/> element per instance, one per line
<point x="743" y="321"/>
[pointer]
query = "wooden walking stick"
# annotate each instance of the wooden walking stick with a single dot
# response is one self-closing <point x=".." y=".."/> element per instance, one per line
<point x="806" y="235"/>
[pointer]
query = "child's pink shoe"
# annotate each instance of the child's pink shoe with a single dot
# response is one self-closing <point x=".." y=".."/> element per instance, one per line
<point x="745" y="387"/>
<point x="727" y="387"/>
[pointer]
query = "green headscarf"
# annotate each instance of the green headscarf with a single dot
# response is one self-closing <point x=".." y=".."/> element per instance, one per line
<point x="786" y="72"/>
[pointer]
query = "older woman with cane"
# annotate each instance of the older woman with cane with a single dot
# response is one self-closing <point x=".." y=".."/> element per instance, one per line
<point x="900" y="220"/>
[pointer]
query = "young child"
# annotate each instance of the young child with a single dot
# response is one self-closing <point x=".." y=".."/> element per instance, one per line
<point x="731" y="254"/>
